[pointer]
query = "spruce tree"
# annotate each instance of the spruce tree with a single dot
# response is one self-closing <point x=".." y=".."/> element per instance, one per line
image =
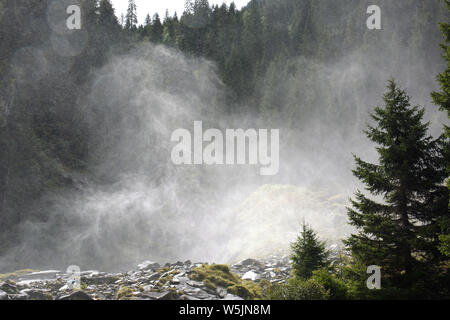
<point x="108" y="28"/>
<point x="309" y="253"/>
<point x="398" y="230"/>
<point x="157" y="29"/>
<point x="131" y="17"/>
<point x="442" y="99"/>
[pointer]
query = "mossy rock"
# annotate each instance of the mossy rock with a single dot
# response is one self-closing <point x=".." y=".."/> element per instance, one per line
<point x="174" y="272"/>
<point x="241" y="291"/>
<point x="125" y="292"/>
<point x="209" y="284"/>
<point x="164" y="280"/>
<point x="163" y="270"/>
<point x="9" y="287"/>
<point x="221" y="267"/>
<point x="219" y="275"/>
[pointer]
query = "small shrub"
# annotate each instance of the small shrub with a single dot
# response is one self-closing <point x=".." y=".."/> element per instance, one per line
<point x="309" y="253"/>
<point x="299" y="289"/>
<point x="336" y="287"/>
<point x="241" y="291"/>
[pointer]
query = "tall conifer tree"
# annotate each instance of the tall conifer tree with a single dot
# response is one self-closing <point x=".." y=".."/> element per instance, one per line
<point x="309" y="253"/>
<point x="399" y="232"/>
<point x="442" y="99"/>
<point x="131" y="17"/>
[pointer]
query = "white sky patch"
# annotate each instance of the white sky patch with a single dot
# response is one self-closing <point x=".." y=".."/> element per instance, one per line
<point x="145" y="7"/>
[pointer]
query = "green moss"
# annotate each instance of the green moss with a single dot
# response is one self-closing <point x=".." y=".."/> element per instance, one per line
<point x="209" y="284"/>
<point x="174" y="272"/>
<point x="162" y="281"/>
<point x="221" y="267"/>
<point x="255" y="289"/>
<point x="241" y="291"/>
<point x="219" y="275"/>
<point x="163" y="270"/>
<point x="124" y="292"/>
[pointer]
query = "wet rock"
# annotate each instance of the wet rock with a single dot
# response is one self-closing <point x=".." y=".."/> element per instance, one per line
<point x="169" y="295"/>
<point x="64" y="288"/>
<point x="195" y="284"/>
<point x="9" y="287"/>
<point x="98" y="296"/>
<point x="154" y="276"/>
<point x="149" y="265"/>
<point x="77" y="295"/>
<point x="145" y="283"/>
<point x="148" y="287"/>
<point x="95" y="280"/>
<point x="37" y="294"/>
<point x="3" y="295"/>
<point x="197" y="292"/>
<point x="232" y="297"/>
<point x="178" y="264"/>
<point x="221" y="292"/>
<point x="19" y="296"/>
<point x="251" y="275"/>
<point x="166" y="295"/>
<point x="182" y="280"/>
<point x="249" y="262"/>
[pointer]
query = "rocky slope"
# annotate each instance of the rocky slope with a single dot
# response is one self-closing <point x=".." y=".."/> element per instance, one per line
<point x="149" y="281"/>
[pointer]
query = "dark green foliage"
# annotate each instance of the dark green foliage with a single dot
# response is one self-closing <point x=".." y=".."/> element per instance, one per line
<point x="299" y="289"/>
<point x="43" y="133"/>
<point x="157" y="29"/>
<point x="400" y="233"/>
<point x="245" y="43"/>
<point x="336" y="287"/>
<point x="131" y="17"/>
<point x="309" y="253"/>
<point x="442" y="99"/>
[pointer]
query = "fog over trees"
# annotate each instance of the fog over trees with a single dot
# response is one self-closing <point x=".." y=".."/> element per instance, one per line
<point x="86" y="118"/>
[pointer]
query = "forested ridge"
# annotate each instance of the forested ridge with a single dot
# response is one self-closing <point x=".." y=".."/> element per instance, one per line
<point x="276" y="60"/>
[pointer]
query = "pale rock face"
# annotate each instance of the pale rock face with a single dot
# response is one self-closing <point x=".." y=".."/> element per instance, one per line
<point x="250" y="275"/>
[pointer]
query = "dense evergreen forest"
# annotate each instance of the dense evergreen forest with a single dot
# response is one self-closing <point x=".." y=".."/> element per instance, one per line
<point x="293" y="64"/>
